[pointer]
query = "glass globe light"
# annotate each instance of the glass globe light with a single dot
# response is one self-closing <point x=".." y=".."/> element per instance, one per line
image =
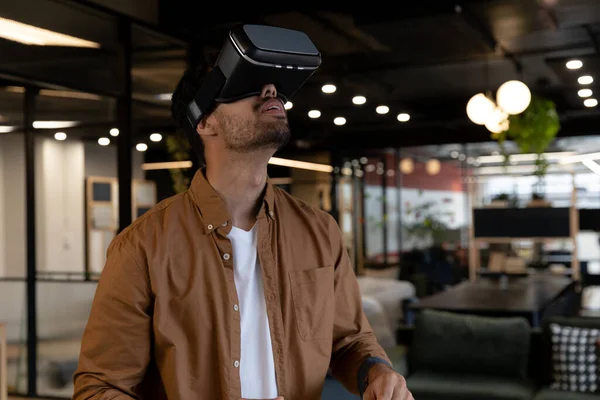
<point x="513" y="97"/>
<point x="479" y="108"/>
<point x="497" y="121"/>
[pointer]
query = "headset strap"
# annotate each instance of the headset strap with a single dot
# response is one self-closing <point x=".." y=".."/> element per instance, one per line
<point x="209" y="89"/>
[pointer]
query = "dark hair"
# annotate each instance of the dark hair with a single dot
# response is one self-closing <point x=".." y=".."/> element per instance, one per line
<point x="184" y="93"/>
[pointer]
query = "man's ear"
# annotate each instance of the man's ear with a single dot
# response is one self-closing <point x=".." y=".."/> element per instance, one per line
<point x="204" y="127"/>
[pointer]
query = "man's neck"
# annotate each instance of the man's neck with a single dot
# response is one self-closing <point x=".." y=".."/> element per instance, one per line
<point x="241" y="183"/>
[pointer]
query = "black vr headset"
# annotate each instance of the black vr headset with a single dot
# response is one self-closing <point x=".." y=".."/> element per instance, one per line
<point x="253" y="56"/>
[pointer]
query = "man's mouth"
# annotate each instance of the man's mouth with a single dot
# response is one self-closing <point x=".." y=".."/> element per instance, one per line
<point x="273" y="106"/>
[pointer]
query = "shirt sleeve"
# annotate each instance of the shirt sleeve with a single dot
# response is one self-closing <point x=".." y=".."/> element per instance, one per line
<point x="116" y="344"/>
<point x="354" y="342"/>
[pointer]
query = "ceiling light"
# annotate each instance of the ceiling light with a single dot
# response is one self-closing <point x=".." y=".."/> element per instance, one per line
<point x="585" y="92"/>
<point x="574" y="64"/>
<point x="329" y="88"/>
<point x="114" y="132"/>
<point x="454" y="154"/>
<point x="32" y="35"/>
<point x="382" y="110"/>
<point x="314" y="114"/>
<point x="53" y="124"/>
<point x="164" y="96"/>
<point x="69" y="94"/>
<point x="104" y="141"/>
<point x="141" y="147"/>
<point x="288" y="105"/>
<point x="513" y="97"/>
<point x="433" y="166"/>
<point x="359" y="100"/>
<point x="300" y="164"/>
<point x="579" y="157"/>
<point x="590" y="102"/>
<point x="156" y="137"/>
<point x="479" y="108"/>
<point x="339" y="121"/>
<point x="585" y="80"/>
<point x="167" y="165"/>
<point x="60" y="136"/>
<point x="6" y="129"/>
<point x="525" y="157"/>
<point x="497" y="121"/>
<point x="592" y="165"/>
<point x="403" y="117"/>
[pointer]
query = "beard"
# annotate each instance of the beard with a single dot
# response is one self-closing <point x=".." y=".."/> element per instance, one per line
<point x="245" y="135"/>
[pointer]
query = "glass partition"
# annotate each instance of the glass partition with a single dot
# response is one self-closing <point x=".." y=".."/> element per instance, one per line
<point x="13" y="315"/>
<point x="13" y="262"/>
<point x="74" y="154"/>
<point x="62" y="312"/>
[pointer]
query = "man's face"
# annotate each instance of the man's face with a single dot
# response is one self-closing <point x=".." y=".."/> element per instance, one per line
<point x="253" y="123"/>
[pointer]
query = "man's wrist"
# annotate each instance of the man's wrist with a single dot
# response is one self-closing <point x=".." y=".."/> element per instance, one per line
<point x="365" y="369"/>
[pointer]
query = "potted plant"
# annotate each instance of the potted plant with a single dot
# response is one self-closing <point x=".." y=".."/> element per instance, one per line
<point x="180" y="150"/>
<point x="500" y="200"/>
<point x="533" y="131"/>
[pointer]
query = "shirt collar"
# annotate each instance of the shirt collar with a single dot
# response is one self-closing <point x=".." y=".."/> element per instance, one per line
<point x="212" y="207"/>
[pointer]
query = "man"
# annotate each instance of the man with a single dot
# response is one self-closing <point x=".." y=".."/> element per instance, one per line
<point x="233" y="289"/>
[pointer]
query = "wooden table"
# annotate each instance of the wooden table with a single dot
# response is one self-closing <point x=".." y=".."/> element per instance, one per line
<point x="527" y="297"/>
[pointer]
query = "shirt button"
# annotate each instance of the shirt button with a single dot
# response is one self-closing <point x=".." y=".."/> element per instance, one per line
<point x="236" y="364"/>
<point x="226" y="256"/>
<point x="225" y="223"/>
<point x="210" y="227"/>
<point x="271" y="297"/>
<point x="236" y="308"/>
<point x="272" y="213"/>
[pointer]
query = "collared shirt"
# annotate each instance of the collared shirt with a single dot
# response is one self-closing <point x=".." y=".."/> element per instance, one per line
<point x="165" y="319"/>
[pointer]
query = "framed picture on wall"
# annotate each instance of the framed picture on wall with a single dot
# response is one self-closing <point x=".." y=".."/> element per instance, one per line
<point x="102" y="215"/>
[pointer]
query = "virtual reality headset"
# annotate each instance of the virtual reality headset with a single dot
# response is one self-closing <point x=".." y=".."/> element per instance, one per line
<point x="253" y="56"/>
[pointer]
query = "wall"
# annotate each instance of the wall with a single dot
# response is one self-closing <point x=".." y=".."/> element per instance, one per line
<point x="60" y="208"/>
<point x="12" y="211"/>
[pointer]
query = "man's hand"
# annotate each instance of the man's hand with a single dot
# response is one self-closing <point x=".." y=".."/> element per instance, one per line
<point x="386" y="384"/>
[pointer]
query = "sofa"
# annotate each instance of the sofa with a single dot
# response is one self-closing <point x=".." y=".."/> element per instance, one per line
<point x="465" y="357"/>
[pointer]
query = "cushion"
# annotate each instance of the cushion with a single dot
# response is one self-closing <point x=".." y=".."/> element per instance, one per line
<point x="448" y="342"/>
<point x="574" y="358"/>
<point x="550" y="394"/>
<point x="449" y="386"/>
<point x="379" y="323"/>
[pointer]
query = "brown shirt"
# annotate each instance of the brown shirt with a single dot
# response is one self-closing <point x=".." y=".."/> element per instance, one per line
<point x="164" y="321"/>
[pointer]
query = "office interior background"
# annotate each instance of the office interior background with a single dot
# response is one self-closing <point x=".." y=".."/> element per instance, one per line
<point x="454" y="142"/>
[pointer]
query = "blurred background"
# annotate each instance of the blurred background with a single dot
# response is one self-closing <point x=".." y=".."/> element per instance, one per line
<point x="456" y="144"/>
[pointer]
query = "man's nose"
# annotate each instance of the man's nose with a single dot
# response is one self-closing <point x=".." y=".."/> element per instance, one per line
<point x="268" y="91"/>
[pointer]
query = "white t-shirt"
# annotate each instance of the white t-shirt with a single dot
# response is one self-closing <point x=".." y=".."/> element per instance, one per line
<point x="257" y="367"/>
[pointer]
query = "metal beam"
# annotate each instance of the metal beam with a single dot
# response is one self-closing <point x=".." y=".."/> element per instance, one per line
<point x="29" y="117"/>
<point x="124" y="123"/>
<point x="593" y="37"/>
<point x="378" y="63"/>
<point x="487" y="35"/>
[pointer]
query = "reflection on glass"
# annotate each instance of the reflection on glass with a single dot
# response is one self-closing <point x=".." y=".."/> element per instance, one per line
<point x="61" y="322"/>
<point x="14" y="318"/>
<point x="12" y="184"/>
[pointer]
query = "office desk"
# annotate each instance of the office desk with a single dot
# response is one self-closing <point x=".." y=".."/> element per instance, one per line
<point x="527" y="297"/>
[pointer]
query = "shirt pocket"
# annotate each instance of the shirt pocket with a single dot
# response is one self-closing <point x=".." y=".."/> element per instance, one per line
<point x="313" y="298"/>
